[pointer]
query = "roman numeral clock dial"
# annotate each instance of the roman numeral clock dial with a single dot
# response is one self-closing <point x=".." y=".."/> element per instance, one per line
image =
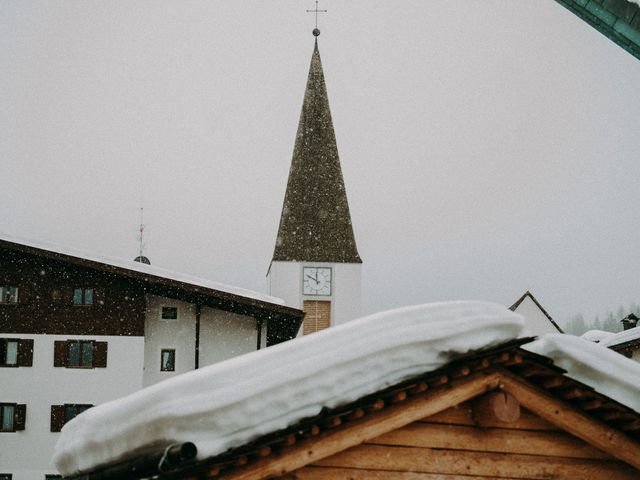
<point x="316" y="281"/>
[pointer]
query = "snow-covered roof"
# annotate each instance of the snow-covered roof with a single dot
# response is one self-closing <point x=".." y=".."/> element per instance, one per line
<point x="619" y="338"/>
<point x="593" y="364"/>
<point x="227" y="404"/>
<point x="596" y="335"/>
<point x="130" y="265"/>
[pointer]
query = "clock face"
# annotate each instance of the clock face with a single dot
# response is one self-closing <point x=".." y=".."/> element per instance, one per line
<point x="316" y="281"/>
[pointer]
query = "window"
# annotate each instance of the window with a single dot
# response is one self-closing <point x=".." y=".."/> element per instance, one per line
<point x="61" y="414"/>
<point x="80" y="354"/>
<point x="5" y="476"/>
<point x="8" y="294"/>
<point x="50" y="477"/>
<point x="168" y="360"/>
<point x="12" y="417"/>
<point x="169" y="313"/>
<point x="317" y="316"/>
<point x="16" y="352"/>
<point x="83" y="296"/>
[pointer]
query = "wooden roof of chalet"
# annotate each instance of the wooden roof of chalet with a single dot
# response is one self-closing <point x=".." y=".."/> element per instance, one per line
<point x="538" y="384"/>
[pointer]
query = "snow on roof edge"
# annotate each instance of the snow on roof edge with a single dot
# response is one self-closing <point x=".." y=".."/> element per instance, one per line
<point x="143" y="268"/>
<point x="621" y="337"/>
<point x="227" y="405"/>
<point x="593" y="364"/>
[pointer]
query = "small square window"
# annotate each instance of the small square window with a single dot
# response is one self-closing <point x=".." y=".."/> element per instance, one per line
<point x="7" y="417"/>
<point x="168" y="360"/>
<point x="169" y="313"/>
<point x="8" y="294"/>
<point x="83" y="296"/>
<point x="5" y="476"/>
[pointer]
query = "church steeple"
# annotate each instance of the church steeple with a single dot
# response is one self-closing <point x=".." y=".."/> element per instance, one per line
<point x="315" y="225"/>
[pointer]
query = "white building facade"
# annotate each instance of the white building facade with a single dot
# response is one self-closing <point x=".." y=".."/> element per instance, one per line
<point x="76" y="332"/>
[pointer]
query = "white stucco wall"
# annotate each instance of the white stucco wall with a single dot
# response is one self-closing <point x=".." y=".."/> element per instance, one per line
<point x="26" y="454"/>
<point x="348" y="292"/>
<point x="177" y="334"/>
<point x="285" y="281"/>
<point x="536" y="322"/>
<point x="225" y="335"/>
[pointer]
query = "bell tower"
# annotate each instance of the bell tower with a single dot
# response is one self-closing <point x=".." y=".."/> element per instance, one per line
<point x="315" y="264"/>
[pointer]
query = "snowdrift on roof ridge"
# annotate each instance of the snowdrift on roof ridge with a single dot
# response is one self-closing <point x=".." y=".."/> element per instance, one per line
<point x="233" y="402"/>
<point x="604" y="370"/>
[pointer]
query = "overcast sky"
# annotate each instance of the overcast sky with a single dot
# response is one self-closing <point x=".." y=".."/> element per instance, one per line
<point x="488" y="147"/>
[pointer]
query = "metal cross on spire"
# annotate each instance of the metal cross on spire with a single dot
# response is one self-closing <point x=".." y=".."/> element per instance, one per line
<point x="316" y="11"/>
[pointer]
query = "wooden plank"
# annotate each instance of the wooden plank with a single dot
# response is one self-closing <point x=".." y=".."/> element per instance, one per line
<point x="592" y="431"/>
<point x="461" y="437"/>
<point x="463" y="415"/>
<point x="354" y="433"/>
<point x="331" y="473"/>
<point x="460" y="462"/>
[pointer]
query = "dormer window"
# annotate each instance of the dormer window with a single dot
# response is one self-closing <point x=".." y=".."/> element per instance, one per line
<point x="8" y="294"/>
<point x="83" y="296"/>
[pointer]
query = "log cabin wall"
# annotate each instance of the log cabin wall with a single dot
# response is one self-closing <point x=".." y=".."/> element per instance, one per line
<point x="462" y="444"/>
<point x="45" y="299"/>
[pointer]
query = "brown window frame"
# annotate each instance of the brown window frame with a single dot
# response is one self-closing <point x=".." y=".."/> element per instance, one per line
<point x="24" y="352"/>
<point x="15" y="301"/>
<point x="18" y="419"/>
<point x="60" y="414"/>
<point x="62" y="354"/>
<point x="172" y="351"/>
<point x="83" y="297"/>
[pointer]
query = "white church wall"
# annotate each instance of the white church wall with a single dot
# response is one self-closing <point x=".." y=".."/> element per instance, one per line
<point x="536" y="322"/>
<point x="179" y="334"/>
<point x="347" y="303"/>
<point x="225" y="335"/>
<point x="25" y="454"/>
<point x="285" y="281"/>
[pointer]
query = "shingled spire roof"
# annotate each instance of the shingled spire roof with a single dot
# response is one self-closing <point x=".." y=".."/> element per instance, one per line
<point x="315" y="224"/>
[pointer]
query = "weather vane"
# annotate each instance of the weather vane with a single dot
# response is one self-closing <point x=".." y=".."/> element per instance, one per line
<point x="316" y="32"/>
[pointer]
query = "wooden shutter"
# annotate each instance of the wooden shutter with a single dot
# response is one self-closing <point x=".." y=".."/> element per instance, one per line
<point x="57" y="417"/>
<point x="67" y="296"/>
<point x="24" y="294"/>
<point x="98" y="296"/>
<point x="25" y="353"/>
<point x="20" y="417"/>
<point x="317" y="316"/>
<point x="100" y="354"/>
<point x="59" y="354"/>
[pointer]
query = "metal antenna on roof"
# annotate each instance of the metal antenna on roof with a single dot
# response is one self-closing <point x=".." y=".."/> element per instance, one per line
<point x="316" y="32"/>
<point x="141" y="258"/>
<point x="141" y="230"/>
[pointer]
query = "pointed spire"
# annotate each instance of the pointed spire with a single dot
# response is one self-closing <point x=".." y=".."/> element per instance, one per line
<point x="315" y="224"/>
